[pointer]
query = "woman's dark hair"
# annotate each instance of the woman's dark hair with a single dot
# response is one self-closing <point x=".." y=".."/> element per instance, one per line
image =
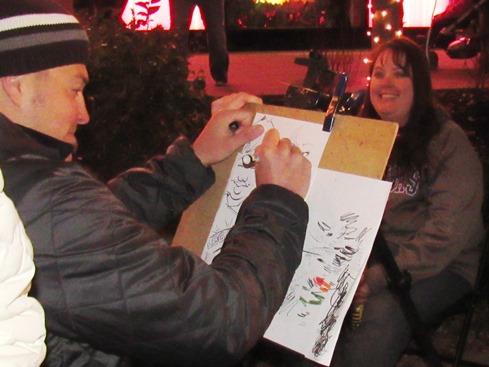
<point x="411" y="147"/>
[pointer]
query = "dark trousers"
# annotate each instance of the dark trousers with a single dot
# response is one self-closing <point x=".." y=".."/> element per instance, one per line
<point x="212" y="12"/>
<point x="384" y="331"/>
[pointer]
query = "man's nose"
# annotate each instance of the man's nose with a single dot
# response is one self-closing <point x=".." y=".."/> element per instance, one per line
<point x="83" y="116"/>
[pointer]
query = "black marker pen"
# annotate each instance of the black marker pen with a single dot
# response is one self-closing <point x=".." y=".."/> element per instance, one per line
<point x="234" y="126"/>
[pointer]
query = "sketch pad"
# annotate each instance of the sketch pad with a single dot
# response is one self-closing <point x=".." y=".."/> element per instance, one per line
<point x="343" y="219"/>
<point x="356" y="145"/>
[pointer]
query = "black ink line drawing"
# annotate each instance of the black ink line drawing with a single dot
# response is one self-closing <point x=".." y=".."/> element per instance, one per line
<point x="327" y="324"/>
<point x="240" y="189"/>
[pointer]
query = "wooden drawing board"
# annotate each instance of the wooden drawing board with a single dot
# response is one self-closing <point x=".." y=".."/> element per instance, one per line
<point x="356" y="145"/>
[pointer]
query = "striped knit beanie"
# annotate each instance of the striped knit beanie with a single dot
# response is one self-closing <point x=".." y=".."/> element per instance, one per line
<point x="37" y="35"/>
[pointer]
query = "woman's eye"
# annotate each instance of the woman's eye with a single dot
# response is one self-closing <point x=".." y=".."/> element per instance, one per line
<point x="401" y="74"/>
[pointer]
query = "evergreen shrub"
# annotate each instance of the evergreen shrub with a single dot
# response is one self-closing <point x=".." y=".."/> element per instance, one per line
<point x="138" y="97"/>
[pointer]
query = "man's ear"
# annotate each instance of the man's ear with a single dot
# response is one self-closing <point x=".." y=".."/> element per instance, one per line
<point x="11" y="86"/>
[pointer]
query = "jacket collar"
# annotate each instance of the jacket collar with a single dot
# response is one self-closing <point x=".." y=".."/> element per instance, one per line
<point x="19" y="141"/>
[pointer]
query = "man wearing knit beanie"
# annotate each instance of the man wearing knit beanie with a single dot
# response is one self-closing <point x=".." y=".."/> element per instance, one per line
<point x="37" y="36"/>
<point x="112" y="288"/>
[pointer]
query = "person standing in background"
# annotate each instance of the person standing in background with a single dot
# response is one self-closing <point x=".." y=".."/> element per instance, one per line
<point x="212" y="12"/>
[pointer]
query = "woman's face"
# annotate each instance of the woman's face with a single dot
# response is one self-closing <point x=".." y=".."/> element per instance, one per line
<point x="391" y="89"/>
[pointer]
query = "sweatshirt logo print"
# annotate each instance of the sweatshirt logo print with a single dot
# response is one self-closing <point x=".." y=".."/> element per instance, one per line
<point x="407" y="185"/>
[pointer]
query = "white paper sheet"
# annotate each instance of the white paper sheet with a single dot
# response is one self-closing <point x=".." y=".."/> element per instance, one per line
<point x="308" y="136"/>
<point x="345" y="212"/>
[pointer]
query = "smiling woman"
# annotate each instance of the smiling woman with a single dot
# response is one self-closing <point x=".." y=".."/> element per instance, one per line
<point x="432" y="223"/>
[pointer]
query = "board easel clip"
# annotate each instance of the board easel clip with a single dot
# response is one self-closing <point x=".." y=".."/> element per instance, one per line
<point x="334" y="104"/>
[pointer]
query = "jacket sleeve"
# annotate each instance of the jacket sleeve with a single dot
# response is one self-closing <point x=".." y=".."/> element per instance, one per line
<point x="451" y="220"/>
<point x="161" y="190"/>
<point x="107" y="280"/>
<point x="22" y="329"/>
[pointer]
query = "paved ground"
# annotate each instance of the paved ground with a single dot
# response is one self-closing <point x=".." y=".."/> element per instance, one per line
<point x="270" y="73"/>
<point x="445" y="340"/>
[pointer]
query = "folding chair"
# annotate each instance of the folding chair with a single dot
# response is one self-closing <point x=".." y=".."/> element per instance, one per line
<point x="481" y="290"/>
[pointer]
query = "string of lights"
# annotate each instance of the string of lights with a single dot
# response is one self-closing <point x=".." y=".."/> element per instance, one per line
<point x="386" y="16"/>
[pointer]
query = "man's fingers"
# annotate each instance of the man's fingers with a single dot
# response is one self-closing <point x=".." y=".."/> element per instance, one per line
<point x="271" y="139"/>
<point x="249" y="133"/>
<point x="285" y="145"/>
<point x="234" y="101"/>
<point x="242" y="117"/>
<point x="296" y="150"/>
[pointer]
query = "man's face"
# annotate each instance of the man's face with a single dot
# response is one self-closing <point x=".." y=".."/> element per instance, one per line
<point x="53" y="101"/>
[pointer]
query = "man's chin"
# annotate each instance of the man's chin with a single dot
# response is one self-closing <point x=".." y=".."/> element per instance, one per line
<point x="71" y="140"/>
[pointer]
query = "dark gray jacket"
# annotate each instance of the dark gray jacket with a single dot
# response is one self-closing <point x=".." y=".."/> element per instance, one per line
<point x="112" y="287"/>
